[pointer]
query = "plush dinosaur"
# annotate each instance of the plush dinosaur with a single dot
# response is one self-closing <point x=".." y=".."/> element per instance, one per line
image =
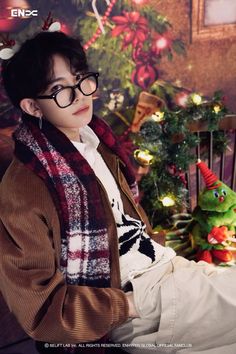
<point x="214" y="220"/>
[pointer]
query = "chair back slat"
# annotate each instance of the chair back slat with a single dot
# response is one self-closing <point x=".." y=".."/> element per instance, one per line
<point x="223" y="166"/>
<point x="210" y="152"/>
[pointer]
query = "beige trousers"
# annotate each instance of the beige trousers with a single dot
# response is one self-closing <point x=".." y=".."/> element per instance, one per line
<point x="184" y="307"/>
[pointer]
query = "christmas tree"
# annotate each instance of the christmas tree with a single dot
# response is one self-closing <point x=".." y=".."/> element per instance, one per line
<point x="167" y="145"/>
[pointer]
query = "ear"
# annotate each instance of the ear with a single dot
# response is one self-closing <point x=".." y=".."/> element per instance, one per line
<point x="30" y="106"/>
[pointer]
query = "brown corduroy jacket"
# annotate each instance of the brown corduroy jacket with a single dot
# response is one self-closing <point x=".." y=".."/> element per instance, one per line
<point x="30" y="279"/>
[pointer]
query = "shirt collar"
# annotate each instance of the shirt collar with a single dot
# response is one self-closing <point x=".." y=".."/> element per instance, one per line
<point x="88" y="137"/>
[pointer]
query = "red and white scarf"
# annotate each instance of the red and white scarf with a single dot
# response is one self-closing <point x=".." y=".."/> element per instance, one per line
<point x="75" y="192"/>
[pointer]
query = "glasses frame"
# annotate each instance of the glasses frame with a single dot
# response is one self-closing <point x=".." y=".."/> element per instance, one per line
<point x="76" y="86"/>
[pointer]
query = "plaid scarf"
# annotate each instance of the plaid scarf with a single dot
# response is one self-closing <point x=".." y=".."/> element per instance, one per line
<point x="75" y="192"/>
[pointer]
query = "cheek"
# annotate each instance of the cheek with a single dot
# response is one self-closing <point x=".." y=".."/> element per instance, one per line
<point x="50" y="111"/>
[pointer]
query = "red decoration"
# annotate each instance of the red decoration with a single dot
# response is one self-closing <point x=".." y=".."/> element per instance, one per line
<point x="98" y="31"/>
<point x="222" y="255"/>
<point x="172" y="169"/>
<point x="134" y="25"/>
<point x="144" y="75"/>
<point x="181" y="98"/>
<point x="140" y="2"/>
<point x="160" y="42"/>
<point x="65" y="29"/>
<point x="12" y="24"/>
<point x="204" y="256"/>
<point x="209" y="177"/>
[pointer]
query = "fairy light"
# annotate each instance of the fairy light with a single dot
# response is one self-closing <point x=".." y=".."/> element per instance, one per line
<point x="217" y="108"/>
<point x="167" y="201"/>
<point x="182" y="99"/>
<point x="196" y="98"/>
<point x="144" y="157"/>
<point x="158" y="116"/>
<point x="189" y="67"/>
<point x="139" y="2"/>
<point x="161" y="43"/>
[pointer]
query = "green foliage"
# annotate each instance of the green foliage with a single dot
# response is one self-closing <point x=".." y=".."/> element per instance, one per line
<point x="178" y="46"/>
<point x="107" y="55"/>
<point x="172" y="143"/>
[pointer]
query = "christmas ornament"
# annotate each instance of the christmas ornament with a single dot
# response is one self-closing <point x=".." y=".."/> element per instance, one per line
<point x="214" y="219"/>
<point x="177" y="172"/>
<point x="98" y="17"/>
<point x="181" y="99"/>
<point x="116" y="100"/>
<point x="144" y="76"/>
<point x="103" y="22"/>
<point x="147" y="105"/>
<point x="8" y="47"/>
<point x="51" y="25"/>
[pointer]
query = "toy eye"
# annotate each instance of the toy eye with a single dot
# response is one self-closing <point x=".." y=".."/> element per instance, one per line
<point x="224" y="192"/>
<point x="216" y="194"/>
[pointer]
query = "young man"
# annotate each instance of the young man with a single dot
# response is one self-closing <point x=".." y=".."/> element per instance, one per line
<point x="77" y="263"/>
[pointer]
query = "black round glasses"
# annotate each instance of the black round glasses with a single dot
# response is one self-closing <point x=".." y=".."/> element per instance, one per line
<point x="65" y="96"/>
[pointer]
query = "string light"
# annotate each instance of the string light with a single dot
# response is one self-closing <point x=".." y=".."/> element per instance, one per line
<point x="167" y="201"/>
<point x="162" y="43"/>
<point x="196" y="98"/>
<point x="139" y="2"/>
<point x="158" y="116"/>
<point x="181" y="99"/>
<point x="143" y="157"/>
<point x="217" y="108"/>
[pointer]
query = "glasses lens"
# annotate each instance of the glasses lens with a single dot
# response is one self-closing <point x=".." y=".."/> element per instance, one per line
<point x="65" y="97"/>
<point x="89" y="85"/>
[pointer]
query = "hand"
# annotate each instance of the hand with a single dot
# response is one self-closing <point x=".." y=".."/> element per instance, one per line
<point x="132" y="309"/>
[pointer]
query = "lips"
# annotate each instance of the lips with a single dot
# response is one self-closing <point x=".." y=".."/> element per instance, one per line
<point x="81" y="110"/>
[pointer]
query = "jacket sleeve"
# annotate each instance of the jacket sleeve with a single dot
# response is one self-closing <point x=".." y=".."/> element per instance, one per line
<point x="34" y="288"/>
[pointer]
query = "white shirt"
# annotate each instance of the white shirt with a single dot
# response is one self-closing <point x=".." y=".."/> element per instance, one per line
<point x="138" y="252"/>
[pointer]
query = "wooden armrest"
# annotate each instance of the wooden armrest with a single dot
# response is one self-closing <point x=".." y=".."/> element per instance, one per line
<point x="159" y="237"/>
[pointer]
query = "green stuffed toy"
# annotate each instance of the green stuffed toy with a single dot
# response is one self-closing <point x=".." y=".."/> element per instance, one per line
<point x="214" y="220"/>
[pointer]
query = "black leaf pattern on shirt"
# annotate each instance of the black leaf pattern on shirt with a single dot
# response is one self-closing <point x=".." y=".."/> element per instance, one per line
<point x="133" y="230"/>
<point x="147" y="248"/>
<point x="126" y="246"/>
<point x="132" y="226"/>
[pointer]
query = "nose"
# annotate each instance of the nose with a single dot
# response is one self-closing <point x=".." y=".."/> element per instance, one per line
<point x="78" y="94"/>
<point x="221" y="199"/>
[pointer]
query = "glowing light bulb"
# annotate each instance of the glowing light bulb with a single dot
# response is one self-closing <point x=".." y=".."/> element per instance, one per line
<point x="143" y="157"/>
<point x="217" y="108"/>
<point x="162" y="43"/>
<point x="139" y="2"/>
<point x="167" y="201"/>
<point x="181" y="99"/>
<point x="158" y="116"/>
<point x="196" y="98"/>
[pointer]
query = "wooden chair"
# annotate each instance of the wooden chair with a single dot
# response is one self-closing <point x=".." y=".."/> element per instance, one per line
<point x="224" y="166"/>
